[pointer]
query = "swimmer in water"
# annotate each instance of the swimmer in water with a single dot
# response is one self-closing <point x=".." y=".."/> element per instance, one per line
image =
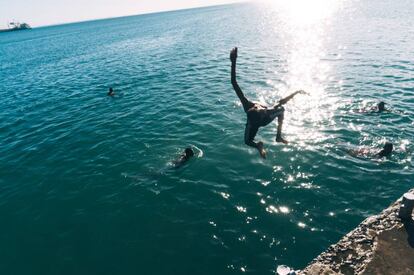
<point x="368" y="152"/>
<point x="380" y="108"/>
<point x="386" y="150"/>
<point x="111" y="92"/>
<point x="185" y="156"/>
<point x="257" y="114"/>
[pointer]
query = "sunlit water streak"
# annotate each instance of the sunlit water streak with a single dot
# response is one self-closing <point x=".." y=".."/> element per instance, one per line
<point x="86" y="180"/>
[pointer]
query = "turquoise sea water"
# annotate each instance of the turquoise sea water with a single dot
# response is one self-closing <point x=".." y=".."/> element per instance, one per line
<point x="85" y="183"/>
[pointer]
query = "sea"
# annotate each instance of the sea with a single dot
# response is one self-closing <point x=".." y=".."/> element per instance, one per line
<point x="87" y="181"/>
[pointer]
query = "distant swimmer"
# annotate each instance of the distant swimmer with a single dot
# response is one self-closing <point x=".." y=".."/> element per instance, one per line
<point x="111" y="92"/>
<point x="184" y="158"/>
<point x="371" y="153"/>
<point x="380" y="108"/>
<point x="257" y="114"/>
<point x="386" y="150"/>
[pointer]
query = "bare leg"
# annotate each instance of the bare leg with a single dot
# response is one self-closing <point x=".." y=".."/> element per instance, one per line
<point x="276" y="112"/>
<point x="249" y="134"/>
<point x="279" y="138"/>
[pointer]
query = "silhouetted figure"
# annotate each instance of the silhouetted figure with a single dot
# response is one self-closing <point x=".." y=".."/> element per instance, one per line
<point x="185" y="156"/>
<point x="387" y="150"/>
<point x="372" y="153"/>
<point x="257" y="114"/>
<point x="111" y="92"/>
<point x="381" y="107"/>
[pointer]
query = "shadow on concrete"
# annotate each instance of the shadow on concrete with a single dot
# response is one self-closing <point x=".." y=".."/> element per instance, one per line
<point x="409" y="227"/>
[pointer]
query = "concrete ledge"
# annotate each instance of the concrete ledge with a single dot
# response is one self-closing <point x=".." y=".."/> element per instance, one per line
<point x="381" y="244"/>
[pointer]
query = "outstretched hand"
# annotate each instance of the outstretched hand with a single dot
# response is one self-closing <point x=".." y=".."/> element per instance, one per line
<point x="233" y="55"/>
<point x="302" y="92"/>
<point x="286" y="99"/>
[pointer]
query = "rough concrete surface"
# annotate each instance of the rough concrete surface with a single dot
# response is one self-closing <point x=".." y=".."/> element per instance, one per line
<point x="382" y="244"/>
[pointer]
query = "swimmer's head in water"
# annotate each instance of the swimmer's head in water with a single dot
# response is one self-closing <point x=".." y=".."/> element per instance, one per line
<point x="381" y="106"/>
<point x="189" y="152"/>
<point x="388" y="147"/>
<point x="387" y="150"/>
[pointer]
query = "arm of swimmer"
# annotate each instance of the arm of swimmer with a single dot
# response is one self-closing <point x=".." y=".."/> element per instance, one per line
<point x="286" y="99"/>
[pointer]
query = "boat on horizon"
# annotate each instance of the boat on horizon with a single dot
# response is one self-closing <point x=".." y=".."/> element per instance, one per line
<point x="16" y="26"/>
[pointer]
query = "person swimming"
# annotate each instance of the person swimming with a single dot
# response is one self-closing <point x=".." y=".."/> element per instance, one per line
<point x="257" y="114"/>
<point x="111" y="92"/>
<point x="184" y="158"/>
<point x="370" y="153"/>
<point x="381" y="107"/>
<point x="386" y="150"/>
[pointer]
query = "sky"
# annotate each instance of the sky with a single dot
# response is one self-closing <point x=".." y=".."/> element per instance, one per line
<point x="51" y="12"/>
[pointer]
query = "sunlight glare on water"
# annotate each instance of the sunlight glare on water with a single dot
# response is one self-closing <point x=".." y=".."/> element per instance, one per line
<point x="305" y="28"/>
<point x="90" y="177"/>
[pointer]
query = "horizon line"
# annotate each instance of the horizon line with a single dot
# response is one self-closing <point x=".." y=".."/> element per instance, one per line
<point x="138" y="14"/>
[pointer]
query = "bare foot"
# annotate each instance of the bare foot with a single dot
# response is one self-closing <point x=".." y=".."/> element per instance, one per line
<point x="262" y="151"/>
<point x="282" y="140"/>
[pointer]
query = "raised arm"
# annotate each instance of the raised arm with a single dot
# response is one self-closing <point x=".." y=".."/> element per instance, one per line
<point x="236" y="87"/>
<point x="286" y="99"/>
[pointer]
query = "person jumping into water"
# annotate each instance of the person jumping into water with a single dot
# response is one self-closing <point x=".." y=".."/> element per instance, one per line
<point x="257" y="114"/>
